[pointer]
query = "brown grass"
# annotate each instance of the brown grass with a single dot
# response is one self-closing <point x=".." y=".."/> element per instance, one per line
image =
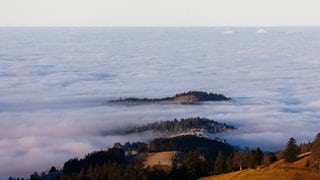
<point x="278" y="170"/>
<point x="185" y="99"/>
<point x="164" y="159"/>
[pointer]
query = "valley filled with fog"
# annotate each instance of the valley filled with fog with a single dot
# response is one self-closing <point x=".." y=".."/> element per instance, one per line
<point x="55" y="82"/>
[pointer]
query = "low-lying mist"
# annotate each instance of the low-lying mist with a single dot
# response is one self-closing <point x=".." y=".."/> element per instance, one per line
<point x="55" y="83"/>
<point x="51" y="136"/>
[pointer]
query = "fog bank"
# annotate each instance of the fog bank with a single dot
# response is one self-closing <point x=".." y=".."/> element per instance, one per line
<point x="54" y="83"/>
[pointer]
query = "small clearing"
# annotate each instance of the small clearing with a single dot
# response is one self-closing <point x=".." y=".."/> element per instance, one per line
<point x="163" y="159"/>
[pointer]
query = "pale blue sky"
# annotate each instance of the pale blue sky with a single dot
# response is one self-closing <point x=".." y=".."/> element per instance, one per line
<point x="159" y="12"/>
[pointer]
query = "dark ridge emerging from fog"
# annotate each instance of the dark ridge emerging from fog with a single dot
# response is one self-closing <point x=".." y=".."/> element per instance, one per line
<point x="194" y="125"/>
<point x="190" y="97"/>
<point x="124" y="161"/>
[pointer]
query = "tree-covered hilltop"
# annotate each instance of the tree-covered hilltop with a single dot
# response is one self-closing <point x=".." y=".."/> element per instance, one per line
<point x="198" y="155"/>
<point x="184" y="143"/>
<point x="183" y="98"/>
<point x="194" y="125"/>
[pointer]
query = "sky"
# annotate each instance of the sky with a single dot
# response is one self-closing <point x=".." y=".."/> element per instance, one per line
<point x="159" y="13"/>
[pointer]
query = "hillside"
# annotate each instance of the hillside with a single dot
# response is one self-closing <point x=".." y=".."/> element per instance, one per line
<point x="163" y="159"/>
<point x="195" y="125"/>
<point x="184" y="143"/>
<point x="186" y="157"/>
<point x="190" y="97"/>
<point x="181" y="157"/>
<point x="209" y="148"/>
<point x="278" y="170"/>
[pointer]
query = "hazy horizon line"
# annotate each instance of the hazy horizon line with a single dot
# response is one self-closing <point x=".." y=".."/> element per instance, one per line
<point x="160" y="26"/>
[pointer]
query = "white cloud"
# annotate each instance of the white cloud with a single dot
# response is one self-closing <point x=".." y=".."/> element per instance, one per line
<point x="262" y="31"/>
<point x="228" y="32"/>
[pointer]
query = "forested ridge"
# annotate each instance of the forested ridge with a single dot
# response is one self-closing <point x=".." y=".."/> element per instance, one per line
<point x="183" y="98"/>
<point x="189" y="125"/>
<point x="201" y="157"/>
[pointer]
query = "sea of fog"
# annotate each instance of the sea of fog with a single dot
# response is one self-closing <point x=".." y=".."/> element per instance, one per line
<point x="54" y="83"/>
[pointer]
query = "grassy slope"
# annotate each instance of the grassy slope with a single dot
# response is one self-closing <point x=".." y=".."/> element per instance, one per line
<point x="161" y="158"/>
<point x="278" y="170"/>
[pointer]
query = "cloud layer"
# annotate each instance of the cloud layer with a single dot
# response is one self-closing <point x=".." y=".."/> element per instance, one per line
<point x="54" y="83"/>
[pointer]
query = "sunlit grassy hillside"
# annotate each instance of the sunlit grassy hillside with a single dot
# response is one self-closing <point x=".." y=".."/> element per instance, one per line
<point x="278" y="170"/>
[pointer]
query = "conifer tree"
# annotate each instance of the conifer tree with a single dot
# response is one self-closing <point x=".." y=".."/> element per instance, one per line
<point x="35" y="176"/>
<point x="315" y="150"/>
<point x="230" y="161"/>
<point x="254" y="158"/>
<point x="271" y="158"/>
<point x="291" y="152"/>
<point x="220" y="164"/>
<point x="258" y="156"/>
